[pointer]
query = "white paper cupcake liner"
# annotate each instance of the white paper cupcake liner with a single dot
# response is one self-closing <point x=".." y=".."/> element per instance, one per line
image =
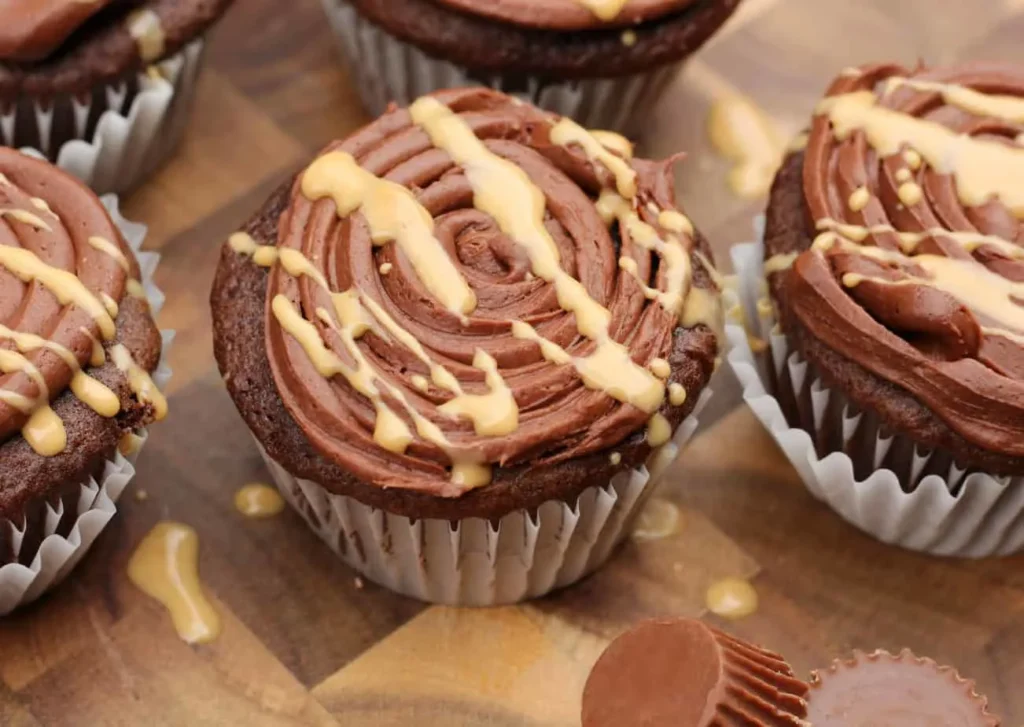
<point x="97" y="500"/>
<point x="119" y="135"/>
<point x="476" y="562"/>
<point x="881" y="482"/>
<point x="387" y="69"/>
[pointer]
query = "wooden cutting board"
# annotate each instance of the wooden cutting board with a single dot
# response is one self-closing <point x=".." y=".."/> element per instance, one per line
<point x="304" y="642"/>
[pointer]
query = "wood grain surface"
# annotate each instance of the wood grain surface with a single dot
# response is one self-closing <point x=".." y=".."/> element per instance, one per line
<point x="304" y="642"/>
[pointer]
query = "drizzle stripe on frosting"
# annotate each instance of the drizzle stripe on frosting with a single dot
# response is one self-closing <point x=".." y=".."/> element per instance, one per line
<point x="536" y="345"/>
<point x="922" y="281"/>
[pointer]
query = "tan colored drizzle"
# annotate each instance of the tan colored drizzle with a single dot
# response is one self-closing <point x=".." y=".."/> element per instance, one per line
<point x="257" y="500"/>
<point x="859" y="199"/>
<point x="780" y="262"/>
<point x="732" y="598"/>
<point x="108" y="248"/>
<point x="981" y="169"/>
<point x="661" y="368"/>
<point x="1007" y="108"/>
<point x="676" y="394"/>
<point x="604" y="9"/>
<point x="139" y="380"/>
<point x="505" y="192"/>
<point x="659" y="519"/>
<point x="744" y="134"/>
<point x="145" y="27"/>
<point x="165" y="566"/>
<point x="393" y="214"/>
<point x="567" y="132"/>
<point x="659" y="430"/>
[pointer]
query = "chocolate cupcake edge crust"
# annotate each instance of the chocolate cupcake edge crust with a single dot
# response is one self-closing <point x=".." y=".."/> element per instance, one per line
<point x="562" y="437"/>
<point x="937" y="361"/>
<point x="73" y="372"/>
<point x="67" y="47"/>
<point x="487" y="43"/>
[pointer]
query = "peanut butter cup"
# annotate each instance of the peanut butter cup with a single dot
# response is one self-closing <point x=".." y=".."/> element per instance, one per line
<point x="684" y="673"/>
<point x="603" y="62"/>
<point x="470" y="310"/>
<point x="896" y="691"/>
<point x="77" y="346"/>
<point x="894" y="252"/>
<point x="64" y="64"/>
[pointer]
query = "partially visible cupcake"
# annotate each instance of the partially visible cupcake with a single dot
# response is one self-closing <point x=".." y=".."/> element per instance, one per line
<point x="683" y="673"/>
<point x="78" y="346"/>
<point x="897" y="691"/>
<point x="459" y="336"/>
<point x="894" y="254"/>
<point x="603" y="62"/>
<point x="103" y="87"/>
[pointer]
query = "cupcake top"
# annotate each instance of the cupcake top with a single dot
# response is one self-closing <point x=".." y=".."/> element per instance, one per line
<point x="68" y="46"/>
<point x="684" y="673"/>
<point x="897" y="691"/>
<point x="570" y="14"/>
<point x="913" y="183"/>
<point x="77" y="340"/>
<point x="474" y="289"/>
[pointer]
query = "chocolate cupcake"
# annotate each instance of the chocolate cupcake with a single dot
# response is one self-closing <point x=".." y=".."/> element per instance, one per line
<point x="896" y="691"/>
<point x="102" y="87"/>
<point x="458" y="337"/>
<point x="683" y="673"/>
<point x="894" y="260"/>
<point x="603" y="62"/>
<point x="78" y="346"/>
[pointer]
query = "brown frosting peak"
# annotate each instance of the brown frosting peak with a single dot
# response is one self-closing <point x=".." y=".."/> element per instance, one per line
<point x="474" y="283"/>
<point x="570" y="14"/>
<point x="33" y="29"/>
<point x="879" y="688"/>
<point x="684" y="673"/>
<point x="915" y="183"/>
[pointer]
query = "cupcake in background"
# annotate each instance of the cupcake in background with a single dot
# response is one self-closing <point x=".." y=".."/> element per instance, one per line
<point x="894" y="313"/>
<point x="604" y="63"/>
<point x="102" y="87"/>
<point x="79" y="369"/>
<point x="468" y="339"/>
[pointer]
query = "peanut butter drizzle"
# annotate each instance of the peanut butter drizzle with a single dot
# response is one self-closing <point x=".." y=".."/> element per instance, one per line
<point x="139" y="380"/>
<point x="614" y="141"/>
<point x="393" y="214"/>
<point x="732" y="598"/>
<point x="145" y="27"/>
<point x="659" y="430"/>
<point x="604" y="9"/>
<point x="981" y="169"/>
<point x="909" y="241"/>
<point x="743" y="133"/>
<point x="26" y="218"/>
<point x="780" y="262"/>
<point x="505" y="192"/>
<point x="659" y="519"/>
<point x="257" y="500"/>
<point x="165" y="566"/>
<point x="567" y="132"/>
<point x="1007" y="108"/>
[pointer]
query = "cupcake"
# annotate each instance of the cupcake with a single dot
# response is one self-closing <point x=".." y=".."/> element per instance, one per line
<point x="78" y="346"/>
<point x="897" y="691"/>
<point x="459" y="335"/>
<point x="102" y="87"/>
<point x="603" y="62"/>
<point x="684" y="673"/>
<point x="895" y="307"/>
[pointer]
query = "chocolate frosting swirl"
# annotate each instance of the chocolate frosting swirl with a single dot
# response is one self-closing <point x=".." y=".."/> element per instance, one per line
<point x="921" y="287"/>
<point x="570" y="14"/>
<point x="33" y="29"/>
<point x="559" y="418"/>
<point x="52" y="216"/>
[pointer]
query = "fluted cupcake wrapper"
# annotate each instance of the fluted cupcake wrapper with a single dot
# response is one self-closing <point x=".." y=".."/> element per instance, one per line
<point x="915" y="700"/>
<point x="475" y="562"/>
<point x="117" y="136"/>
<point x="388" y="69"/>
<point x="881" y="482"/>
<point x="73" y="522"/>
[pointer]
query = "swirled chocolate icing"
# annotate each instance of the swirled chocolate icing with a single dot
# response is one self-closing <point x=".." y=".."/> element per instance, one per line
<point x="915" y="182"/>
<point x="33" y="29"/>
<point x="64" y="269"/>
<point x="472" y="283"/>
<point x="570" y="14"/>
